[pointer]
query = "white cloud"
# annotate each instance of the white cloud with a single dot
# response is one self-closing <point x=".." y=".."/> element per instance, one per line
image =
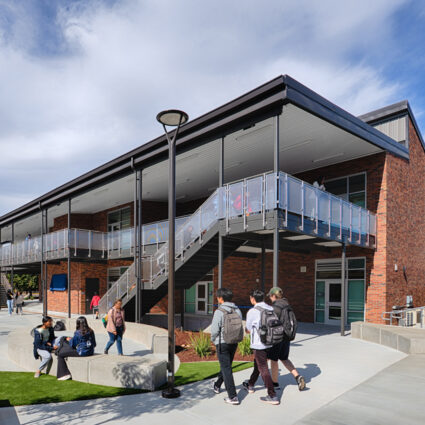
<point x="63" y="114"/>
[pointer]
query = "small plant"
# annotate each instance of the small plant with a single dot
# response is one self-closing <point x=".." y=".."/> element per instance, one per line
<point x="201" y="343"/>
<point x="244" y="347"/>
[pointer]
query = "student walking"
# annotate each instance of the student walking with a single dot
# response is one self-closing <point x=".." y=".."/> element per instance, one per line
<point x="19" y="301"/>
<point x="44" y="337"/>
<point x="9" y="300"/>
<point x="82" y="344"/>
<point x="115" y="326"/>
<point x="226" y="332"/>
<point x="94" y="304"/>
<point x="281" y="351"/>
<point x="254" y="327"/>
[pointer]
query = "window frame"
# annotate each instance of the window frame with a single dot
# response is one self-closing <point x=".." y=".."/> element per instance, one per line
<point x="348" y="193"/>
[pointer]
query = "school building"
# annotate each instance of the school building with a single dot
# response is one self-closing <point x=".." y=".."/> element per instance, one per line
<point x="248" y="215"/>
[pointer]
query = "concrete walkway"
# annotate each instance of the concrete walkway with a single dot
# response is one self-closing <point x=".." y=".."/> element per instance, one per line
<point x="333" y="366"/>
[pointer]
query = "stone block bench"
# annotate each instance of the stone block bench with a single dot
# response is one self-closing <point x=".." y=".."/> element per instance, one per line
<point x="147" y="372"/>
<point x="406" y="340"/>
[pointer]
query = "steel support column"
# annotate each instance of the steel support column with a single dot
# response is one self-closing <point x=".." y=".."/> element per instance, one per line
<point x="220" y="238"/>
<point x="276" y="166"/>
<point x="136" y="243"/>
<point x="69" y="259"/>
<point x="139" y="283"/>
<point x="12" y="271"/>
<point x="263" y="267"/>
<point x="343" y="288"/>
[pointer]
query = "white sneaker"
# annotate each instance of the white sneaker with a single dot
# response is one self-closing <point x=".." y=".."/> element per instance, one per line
<point x="64" y="378"/>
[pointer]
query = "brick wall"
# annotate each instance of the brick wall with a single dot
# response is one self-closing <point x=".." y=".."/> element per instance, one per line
<point x="406" y="226"/>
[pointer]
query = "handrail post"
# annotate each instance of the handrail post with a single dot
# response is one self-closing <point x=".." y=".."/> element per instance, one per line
<point x="302" y="206"/>
<point x="360" y="225"/>
<point x="351" y="222"/>
<point x="368" y="228"/>
<point x="316" y="191"/>
<point x="226" y="192"/>
<point x="340" y="219"/>
<point x="263" y="200"/>
<point x="75" y="242"/>
<point x="90" y="242"/>
<point x="244" y="202"/>
<point x="286" y="200"/>
<point x="200" y="225"/>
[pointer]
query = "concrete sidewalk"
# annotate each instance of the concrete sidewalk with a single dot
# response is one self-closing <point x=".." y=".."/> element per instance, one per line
<point x="332" y="365"/>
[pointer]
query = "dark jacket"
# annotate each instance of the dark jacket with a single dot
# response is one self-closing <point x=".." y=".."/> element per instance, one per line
<point x="40" y="344"/>
<point x="84" y="344"/>
<point x="279" y="305"/>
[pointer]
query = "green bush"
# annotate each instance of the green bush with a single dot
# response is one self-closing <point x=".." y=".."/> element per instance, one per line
<point x="244" y="347"/>
<point x="201" y="343"/>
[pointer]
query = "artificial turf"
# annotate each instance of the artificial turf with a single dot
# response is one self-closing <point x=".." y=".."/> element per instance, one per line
<point x="21" y="388"/>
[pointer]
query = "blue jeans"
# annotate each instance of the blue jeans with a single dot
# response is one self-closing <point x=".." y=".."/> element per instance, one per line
<point x="10" y="306"/>
<point x="113" y="338"/>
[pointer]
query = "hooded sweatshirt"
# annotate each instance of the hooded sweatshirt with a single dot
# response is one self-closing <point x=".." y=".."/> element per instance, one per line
<point x="217" y="322"/>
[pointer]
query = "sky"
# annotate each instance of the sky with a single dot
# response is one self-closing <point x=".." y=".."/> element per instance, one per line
<point x="81" y="81"/>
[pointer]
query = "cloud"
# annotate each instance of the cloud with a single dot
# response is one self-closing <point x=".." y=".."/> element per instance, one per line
<point x="81" y="83"/>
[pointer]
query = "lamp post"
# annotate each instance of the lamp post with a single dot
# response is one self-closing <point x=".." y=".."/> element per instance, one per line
<point x="171" y="118"/>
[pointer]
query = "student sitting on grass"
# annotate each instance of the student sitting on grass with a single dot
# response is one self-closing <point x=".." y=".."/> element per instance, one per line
<point x="44" y="337"/>
<point x="81" y="344"/>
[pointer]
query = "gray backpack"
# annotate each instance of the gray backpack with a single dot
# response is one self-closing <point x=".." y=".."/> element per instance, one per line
<point x="271" y="331"/>
<point x="232" y="327"/>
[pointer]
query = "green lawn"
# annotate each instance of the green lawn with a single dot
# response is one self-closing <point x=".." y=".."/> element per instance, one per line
<point x="20" y="388"/>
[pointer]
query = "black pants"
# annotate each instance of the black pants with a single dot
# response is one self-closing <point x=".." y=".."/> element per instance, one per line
<point x="65" y="351"/>
<point x="225" y="354"/>
<point x="262" y="368"/>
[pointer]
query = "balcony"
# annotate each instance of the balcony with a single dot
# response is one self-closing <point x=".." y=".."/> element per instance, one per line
<point x="243" y="206"/>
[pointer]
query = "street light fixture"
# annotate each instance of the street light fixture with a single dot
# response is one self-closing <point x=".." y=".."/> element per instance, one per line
<point x="171" y="118"/>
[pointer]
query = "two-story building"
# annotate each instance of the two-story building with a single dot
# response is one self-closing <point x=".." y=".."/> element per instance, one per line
<point x="250" y="214"/>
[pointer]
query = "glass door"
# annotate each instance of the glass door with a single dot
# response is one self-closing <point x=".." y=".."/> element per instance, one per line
<point x="333" y="302"/>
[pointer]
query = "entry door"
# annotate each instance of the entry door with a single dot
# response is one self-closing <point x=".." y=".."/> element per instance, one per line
<point x="333" y="302"/>
<point x="92" y="286"/>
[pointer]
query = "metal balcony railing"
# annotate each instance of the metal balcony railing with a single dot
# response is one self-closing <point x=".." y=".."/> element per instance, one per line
<point x="312" y="211"/>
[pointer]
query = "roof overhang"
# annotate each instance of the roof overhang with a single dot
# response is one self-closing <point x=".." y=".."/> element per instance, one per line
<point x="261" y="103"/>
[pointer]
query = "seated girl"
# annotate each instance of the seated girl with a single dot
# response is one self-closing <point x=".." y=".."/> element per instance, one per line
<point x="80" y="345"/>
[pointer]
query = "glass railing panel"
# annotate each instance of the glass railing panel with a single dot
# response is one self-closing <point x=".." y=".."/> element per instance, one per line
<point x="210" y="211"/>
<point x="235" y="199"/>
<point x="310" y="198"/>
<point x="294" y="195"/>
<point x="355" y="218"/>
<point x="271" y="191"/>
<point x="324" y="206"/>
<point x="98" y="241"/>
<point x="363" y="222"/>
<point x="372" y="224"/>
<point x="254" y="195"/>
<point x="150" y="234"/>
<point x="126" y="236"/>
<point x="162" y="231"/>
<point x="282" y="190"/>
<point x="335" y="211"/>
<point x="345" y="215"/>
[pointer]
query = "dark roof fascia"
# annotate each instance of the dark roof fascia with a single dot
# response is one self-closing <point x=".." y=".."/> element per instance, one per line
<point x="266" y="97"/>
<point x="309" y="100"/>
<point x="392" y="111"/>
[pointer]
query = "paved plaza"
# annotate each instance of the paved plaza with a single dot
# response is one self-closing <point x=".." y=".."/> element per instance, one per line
<point x="349" y="381"/>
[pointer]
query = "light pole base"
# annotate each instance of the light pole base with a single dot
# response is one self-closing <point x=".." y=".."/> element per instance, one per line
<point x="171" y="393"/>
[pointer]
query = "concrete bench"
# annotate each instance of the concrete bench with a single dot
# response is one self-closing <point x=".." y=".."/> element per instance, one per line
<point x="147" y="372"/>
<point x="406" y="340"/>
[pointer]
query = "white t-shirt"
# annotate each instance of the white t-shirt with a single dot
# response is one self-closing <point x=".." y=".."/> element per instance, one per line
<point x="319" y="186"/>
<point x="253" y="319"/>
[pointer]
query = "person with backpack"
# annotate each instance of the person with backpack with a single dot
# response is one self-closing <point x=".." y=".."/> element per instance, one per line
<point x="265" y="331"/>
<point x="44" y="344"/>
<point x="82" y="344"/>
<point x="226" y="332"/>
<point x="115" y="326"/>
<point x="280" y="351"/>
<point x="19" y="301"/>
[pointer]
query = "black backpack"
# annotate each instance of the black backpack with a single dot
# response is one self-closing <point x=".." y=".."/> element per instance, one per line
<point x="288" y="319"/>
<point x="59" y="326"/>
<point x="271" y="330"/>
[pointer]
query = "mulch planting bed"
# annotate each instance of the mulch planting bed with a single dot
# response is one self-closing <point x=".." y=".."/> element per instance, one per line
<point x="187" y="354"/>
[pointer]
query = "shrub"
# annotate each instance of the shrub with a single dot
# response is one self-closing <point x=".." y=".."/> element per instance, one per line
<point x="201" y="343"/>
<point x="244" y="346"/>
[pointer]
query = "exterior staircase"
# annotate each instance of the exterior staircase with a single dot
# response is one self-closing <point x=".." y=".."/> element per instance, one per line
<point x="4" y="287"/>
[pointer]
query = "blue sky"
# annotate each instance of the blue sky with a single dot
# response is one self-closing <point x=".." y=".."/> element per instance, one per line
<point x="81" y="81"/>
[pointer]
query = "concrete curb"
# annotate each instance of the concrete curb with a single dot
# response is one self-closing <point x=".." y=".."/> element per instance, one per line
<point x="406" y="340"/>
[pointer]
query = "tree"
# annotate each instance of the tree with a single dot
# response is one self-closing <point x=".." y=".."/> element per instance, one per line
<point x="24" y="282"/>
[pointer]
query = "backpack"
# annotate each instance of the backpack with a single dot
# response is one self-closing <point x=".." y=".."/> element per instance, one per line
<point x="271" y="330"/>
<point x="59" y="326"/>
<point x="232" y="327"/>
<point x="289" y="321"/>
<point x="85" y="347"/>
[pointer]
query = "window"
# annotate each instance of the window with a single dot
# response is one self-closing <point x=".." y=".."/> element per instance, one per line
<point x="350" y="188"/>
<point x="114" y="273"/>
<point x="119" y="219"/>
